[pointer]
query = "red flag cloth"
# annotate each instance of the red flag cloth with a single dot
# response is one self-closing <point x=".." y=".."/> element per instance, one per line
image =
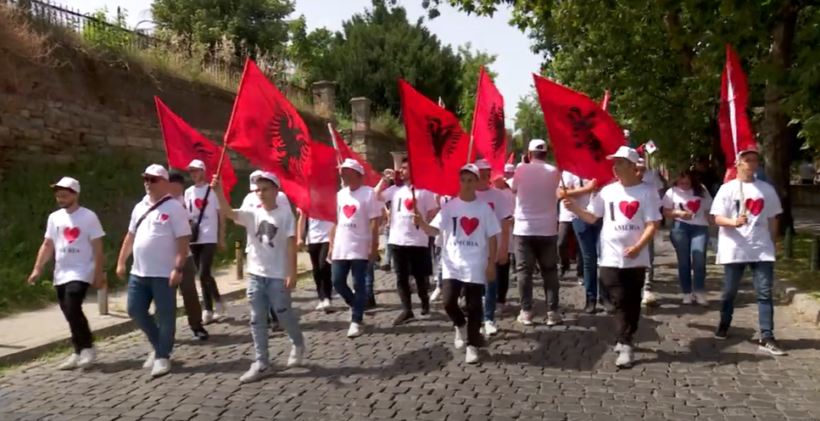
<point x="735" y="131"/>
<point x="437" y="146"/>
<point x="489" y="135"/>
<point x="510" y="159"/>
<point x="324" y="182"/>
<point x="581" y="133"/>
<point x="268" y="131"/>
<point x="371" y="177"/>
<point x="605" y="101"/>
<point x="183" y="144"/>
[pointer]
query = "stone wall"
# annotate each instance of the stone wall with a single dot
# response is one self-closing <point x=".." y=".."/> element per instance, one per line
<point x="83" y="105"/>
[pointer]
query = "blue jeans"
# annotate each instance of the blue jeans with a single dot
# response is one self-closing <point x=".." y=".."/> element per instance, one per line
<point x="370" y="278"/>
<point x="763" y="279"/>
<point x="650" y="271"/>
<point x="160" y="332"/>
<point x="359" y="269"/>
<point x="490" y="300"/>
<point x="437" y="255"/>
<point x="265" y="294"/>
<point x="588" y="235"/>
<point x="690" y="245"/>
<point x="388" y="254"/>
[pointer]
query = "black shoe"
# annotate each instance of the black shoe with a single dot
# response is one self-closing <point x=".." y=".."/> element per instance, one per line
<point x="607" y="306"/>
<point x="385" y="268"/>
<point x="425" y="309"/>
<point x="403" y="317"/>
<point x="590" y="307"/>
<point x="274" y="325"/>
<point x="722" y="332"/>
<point x="771" y="346"/>
<point x="200" y="333"/>
<point x="371" y="303"/>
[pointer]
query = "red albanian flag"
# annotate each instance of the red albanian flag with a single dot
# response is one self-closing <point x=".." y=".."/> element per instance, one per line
<point x="371" y="177"/>
<point x="735" y="130"/>
<point x="489" y="135"/>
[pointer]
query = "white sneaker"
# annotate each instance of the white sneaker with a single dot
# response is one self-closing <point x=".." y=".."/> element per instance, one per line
<point x="320" y="306"/>
<point x="625" y="357"/>
<point x="356" y="330"/>
<point x="581" y="281"/>
<point x="649" y="298"/>
<point x="687" y="299"/>
<point x="221" y="312"/>
<point x="490" y="328"/>
<point x="326" y="305"/>
<point x="162" y="366"/>
<point x="87" y="357"/>
<point x="554" y="318"/>
<point x="700" y="298"/>
<point x="436" y="294"/>
<point x="618" y="348"/>
<point x="296" y="355"/>
<point x="71" y="363"/>
<point x="256" y="372"/>
<point x="207" y="317"/>
<point x="149" y="362"/>
<point x="472" y="355"/>
<point x="525" y="318"/>
<point x="461" y="336"/>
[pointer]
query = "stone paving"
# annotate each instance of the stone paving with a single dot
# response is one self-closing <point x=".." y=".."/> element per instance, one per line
<point x="412" y="372"/>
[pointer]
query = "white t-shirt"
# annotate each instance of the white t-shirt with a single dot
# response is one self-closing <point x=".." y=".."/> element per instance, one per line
<point x="570" y="181"/>
<point x="318" y="231"/>
<point x="536" y="201"/>
<point x="251" y="201"/>
<point x="511" y="203"/>
<point x="626" y="211"/>
<point x="402" y="230"/>
<point x="268" y="234"/>
<point x="466" y="228"/>
<point x="498" y="201"/>
<point x="354" y="211"/>
<point x="685" y="200"/>
<point x="182" y="202"/>
<point x="753" y="241"/>
<point x="195" y="200"/>
<point x="72" y="234"/>
<point x="155" y="240"/>
<point x="441" y="201"/>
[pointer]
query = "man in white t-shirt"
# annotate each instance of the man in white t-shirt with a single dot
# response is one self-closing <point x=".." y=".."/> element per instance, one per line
<point x="315" y="233"/>
<point x="408" y="243"/>
<point x="631" y="216"/>
<point x="354" y="240"/>
<point x="469" y="230"/>
<point x="566" y="232"/>
<point x="159" y="236"/>
<point x="652" y="179"/>
<point x="746" y="211"/>
<point x="272" y="270"/>
<point x="535" y="230"/>
<point x="207" y="233"/>
<point x="74" y="238"/>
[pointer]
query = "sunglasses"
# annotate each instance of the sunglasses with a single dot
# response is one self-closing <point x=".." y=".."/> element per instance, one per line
<point x="151" y="180"/>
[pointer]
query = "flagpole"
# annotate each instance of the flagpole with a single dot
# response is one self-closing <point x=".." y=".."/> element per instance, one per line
<point x="230" y="122"/>
<point x="730" y="92"/>
<point x="157" y="102"/>
<point x="335" y="142"/>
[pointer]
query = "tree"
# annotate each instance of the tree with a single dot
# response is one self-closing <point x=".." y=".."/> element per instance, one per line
<point x="471" y="63"/>
<point x="252" y="25"/>
<point x="529" y="119"/>
<point x="375" y="48"/>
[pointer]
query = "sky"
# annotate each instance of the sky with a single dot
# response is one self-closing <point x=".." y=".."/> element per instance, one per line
<point x="514" y="65"/>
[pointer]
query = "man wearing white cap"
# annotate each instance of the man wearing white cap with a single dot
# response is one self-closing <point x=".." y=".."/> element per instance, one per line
<point x="354" y="241"/>
<point x="653" y="179"/>
<point x="207" y="232"/>
<point x="469" y="230"/>
<point x="159" y="236"/>
<point x="746" y="210"/>
<point x="565" y="231"/>
<point x="535" y="230"/>
<point x="631" y="215"/>
<point x="272" y="270"/>
<point x="74" y="238"/>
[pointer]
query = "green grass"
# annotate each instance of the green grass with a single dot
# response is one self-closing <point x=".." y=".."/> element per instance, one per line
<point x="797" y="268"/>
<point x="111" y="186"/>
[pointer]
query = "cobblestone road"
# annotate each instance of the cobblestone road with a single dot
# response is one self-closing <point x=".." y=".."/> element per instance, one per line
<point x="412" y="372"/>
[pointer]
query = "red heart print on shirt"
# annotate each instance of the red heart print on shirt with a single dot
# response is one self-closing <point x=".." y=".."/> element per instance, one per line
<point x="259" y="205"/>
<point x="629" y="209"/>
<point x="71" y="234"/>
<point x="492" y="205"/>
<point x="693" y="205"/>
<point x="408" y="203"/>
<point x="199" y="203"/>
<point x="163" y="217"/>
<point x="755" y="206"/>
<point x="349" y="210"/>
<point x="469" y="225"/>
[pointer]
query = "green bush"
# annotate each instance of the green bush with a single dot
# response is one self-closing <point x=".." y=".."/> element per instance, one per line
<point x="111" y="186"/>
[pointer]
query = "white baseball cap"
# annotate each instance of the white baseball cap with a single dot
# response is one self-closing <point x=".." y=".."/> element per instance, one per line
<point x="67" y="183"/>
<point x="627" y="153"/>
<point x="641" y="162"/>
<point x="254" y="175"/>
<point x="266" y="176"/>
<point x="750" y="149"/>
<point x="470" y="168"/>
<point x="509" y="168"/>
<point x="156" y="170"/>
<point x="197" y="164"/>
<point x="482" y="164"/>
<point x="537" y="145"/>
<point x="353" y="165"/>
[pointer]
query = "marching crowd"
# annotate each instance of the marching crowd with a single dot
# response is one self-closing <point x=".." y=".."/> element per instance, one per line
<point x="519" y="223"/>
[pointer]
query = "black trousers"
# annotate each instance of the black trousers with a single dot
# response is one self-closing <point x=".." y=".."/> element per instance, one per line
<point x="474" y="293"/>
<point x="565" y="235"/>
<point x="204" y="259"/>
<point x="411" y="260"/>
<point x="503" y="274"/>
<point x="625" y="287"/>
<point x="190" y="298"/>
<point x="71" y="296"/>
<point x="321" y="269"/>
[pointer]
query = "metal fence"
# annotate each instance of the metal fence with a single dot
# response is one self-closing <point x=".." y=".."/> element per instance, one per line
<point x="105" y="35"/>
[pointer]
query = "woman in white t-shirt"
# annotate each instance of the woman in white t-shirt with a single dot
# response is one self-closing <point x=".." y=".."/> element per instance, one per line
<point x="688" y="203"/>
<point x="630" y="211"/>
<point x="503" y="271"/>
<point x="315" y="233"/>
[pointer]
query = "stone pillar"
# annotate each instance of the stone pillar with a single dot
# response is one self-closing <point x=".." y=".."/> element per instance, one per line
<point x="324" y="98"/>
<point x="362" y="141"/>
